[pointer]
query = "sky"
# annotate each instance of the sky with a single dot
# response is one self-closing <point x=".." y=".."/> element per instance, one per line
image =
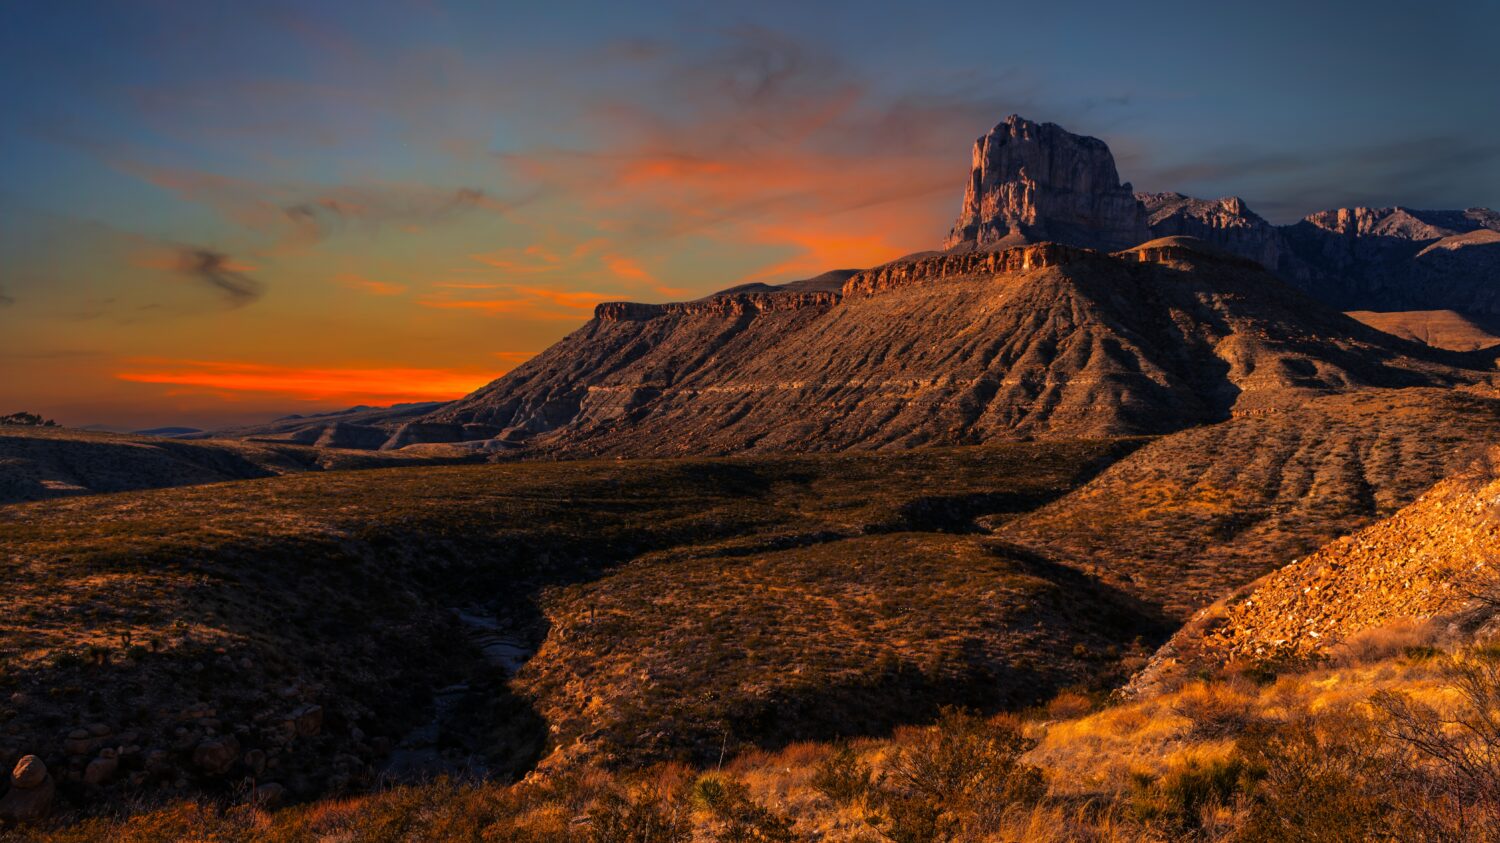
<point x="216" y="213"/>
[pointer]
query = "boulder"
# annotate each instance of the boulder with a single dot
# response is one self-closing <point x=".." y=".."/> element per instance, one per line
<point x="309" y="720"/>
<point x="216" y="755"/>
<point x="32" y="791"/>
<point x="102" y="769"/>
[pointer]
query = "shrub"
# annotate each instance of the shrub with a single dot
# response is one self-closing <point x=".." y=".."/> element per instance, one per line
<point x="1069" y="705"/>
<point x="740" y="818"/>
<point x="1214" y="710"/>
<point x="1452" y="781"/>
<point x="842" y="777"/>
<point x="1324" y="778"/>
<point x="965" y="768"/>
<point x="646" y="816"/>
<point x="1177" y="800"/>
<point x="915" y="819"/>
<point x="27" y="420"/>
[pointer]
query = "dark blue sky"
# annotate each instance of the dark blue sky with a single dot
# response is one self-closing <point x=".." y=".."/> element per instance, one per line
<point x="440" y="188"/>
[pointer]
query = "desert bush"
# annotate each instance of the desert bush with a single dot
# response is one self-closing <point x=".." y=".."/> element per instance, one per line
<point x="1215" y="710"/>
<point x="1451" y="758"/>
<point x="1177" y="801"/>
<point x="964" y="769"/>
<point x="738" y="817"/>
<point x="25" y="419"/>
<point x="1069" y="705"/>
<point x="913" y="818"/>
<point x="1326" y="778"/>
<point x="842" y="777"/>
<point x="649" y="814"/>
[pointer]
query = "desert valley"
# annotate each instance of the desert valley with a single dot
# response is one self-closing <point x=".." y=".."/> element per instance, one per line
<point x="1114" y="516"/>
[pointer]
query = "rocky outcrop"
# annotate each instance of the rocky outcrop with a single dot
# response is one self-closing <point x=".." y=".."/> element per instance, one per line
<point x="1227" y="224"/>
<point x="931" y="268"/>
<point x="1032" y="182"/>
<point x="729" y="306"/>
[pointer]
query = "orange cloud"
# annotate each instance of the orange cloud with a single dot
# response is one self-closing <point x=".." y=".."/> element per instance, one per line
<point x="822" y="251"/>
<point x="375" y="288"/>
<point x="626" y="268"/>
<point x="527" y="302"/>
<point x="376" y="386"/>
<point x="528" y="261"/>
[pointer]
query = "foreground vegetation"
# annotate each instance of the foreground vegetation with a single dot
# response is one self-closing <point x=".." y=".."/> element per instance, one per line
<point x="296" y="630"/>
<point x="1388" y="740"/>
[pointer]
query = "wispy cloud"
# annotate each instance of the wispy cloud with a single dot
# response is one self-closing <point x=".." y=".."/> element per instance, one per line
<point x="294" y="216"/>
<point x="214" y="269"/>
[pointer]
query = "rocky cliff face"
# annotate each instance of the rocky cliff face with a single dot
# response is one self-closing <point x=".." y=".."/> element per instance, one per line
<point x="1227" y="224"/>
<point x="1392" y="259"/>
<point x="1032" y="182"/>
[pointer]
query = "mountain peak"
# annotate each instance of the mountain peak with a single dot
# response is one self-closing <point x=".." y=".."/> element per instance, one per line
<point x="1032" y="181"/>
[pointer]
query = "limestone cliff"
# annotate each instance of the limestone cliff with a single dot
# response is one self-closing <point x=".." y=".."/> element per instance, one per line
<point x="1031" y="182"/>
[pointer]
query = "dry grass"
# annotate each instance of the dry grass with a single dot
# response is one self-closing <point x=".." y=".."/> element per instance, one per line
<point x="1145" y="770"/>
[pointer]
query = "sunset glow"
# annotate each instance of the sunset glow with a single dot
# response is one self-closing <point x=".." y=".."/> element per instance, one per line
<point x="400" y="187"/>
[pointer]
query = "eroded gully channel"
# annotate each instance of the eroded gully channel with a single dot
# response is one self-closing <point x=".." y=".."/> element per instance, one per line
<point x="446" y="744"/>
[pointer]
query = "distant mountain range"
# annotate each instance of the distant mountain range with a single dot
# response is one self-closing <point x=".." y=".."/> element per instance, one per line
<point x="1062" y="304"/>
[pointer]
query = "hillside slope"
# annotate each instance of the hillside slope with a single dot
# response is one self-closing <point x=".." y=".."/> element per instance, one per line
<point x="1438" y="328"/>
<point x="1436" y="558"/>
<point x="1037" y="341"/>
<point x="1194" y="515"/>
<point x="314" y="630"/>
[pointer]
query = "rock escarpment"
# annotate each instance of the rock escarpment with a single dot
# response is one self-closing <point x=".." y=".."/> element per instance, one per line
<point x="1033" y="182"/>
<point x="955" y="348"/>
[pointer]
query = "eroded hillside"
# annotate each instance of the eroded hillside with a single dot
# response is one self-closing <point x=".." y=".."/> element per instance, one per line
<point x="297" y="629"/>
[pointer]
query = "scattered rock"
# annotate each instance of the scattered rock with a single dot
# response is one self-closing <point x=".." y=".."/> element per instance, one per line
<point x="309" y="720"/>
<point x="216" y="755"/>
<point x="102" y="769"/>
